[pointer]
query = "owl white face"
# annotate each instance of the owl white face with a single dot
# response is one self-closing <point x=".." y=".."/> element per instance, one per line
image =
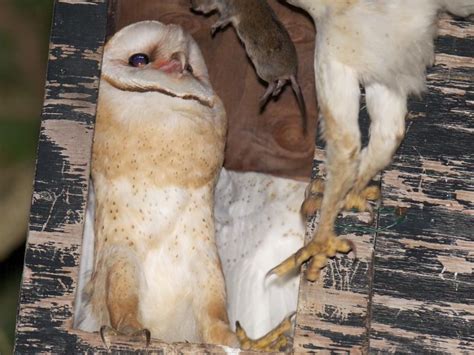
<point x="151" y="56"/>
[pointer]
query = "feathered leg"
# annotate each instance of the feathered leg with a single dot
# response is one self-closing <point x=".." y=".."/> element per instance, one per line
<point x="387" y="110"/>
<point x="121" y="298"/>
<point x="338" y="96"/>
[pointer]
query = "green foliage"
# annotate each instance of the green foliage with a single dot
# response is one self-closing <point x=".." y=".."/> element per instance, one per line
<point x="41" y="9"/>
<point x="18" y="139"/>
<point x="8" y="66"/>
<point x="20" y="96"/>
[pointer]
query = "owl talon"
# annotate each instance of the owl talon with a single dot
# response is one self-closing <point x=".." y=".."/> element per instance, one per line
<point x="353" y="201"/>
<point x="106" y="331"/>
<point x="313" y="198"/>
<point x="359" y="201"/>
<point x="275" y="340"/>
<point x="318" y="252"/>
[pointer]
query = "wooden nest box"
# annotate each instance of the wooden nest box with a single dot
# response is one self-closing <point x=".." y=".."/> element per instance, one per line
<point x="411" y="288"/>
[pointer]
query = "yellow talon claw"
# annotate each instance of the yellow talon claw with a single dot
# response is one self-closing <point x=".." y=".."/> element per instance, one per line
<point x="275" y="340"/>
<point x="313" y="198"/>
<point x="353" y="201"/>
<point x="319" y="251"/>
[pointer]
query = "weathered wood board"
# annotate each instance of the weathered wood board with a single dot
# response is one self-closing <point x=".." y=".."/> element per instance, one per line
<point x="411" y="288"/>
<point x="423" y="285"/>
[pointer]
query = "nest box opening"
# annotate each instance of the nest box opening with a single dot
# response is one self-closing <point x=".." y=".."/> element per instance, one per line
<point x="271" y="141"/>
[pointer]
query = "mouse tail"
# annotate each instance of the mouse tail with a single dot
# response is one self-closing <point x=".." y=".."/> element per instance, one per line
<point x="301" y="104"/>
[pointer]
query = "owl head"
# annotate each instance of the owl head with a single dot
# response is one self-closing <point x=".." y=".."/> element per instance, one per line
<point x="151" y="56"/>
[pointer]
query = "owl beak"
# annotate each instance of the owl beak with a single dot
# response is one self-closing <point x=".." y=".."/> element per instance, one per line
<point x="176" y="64"/>
<point x="168" y="66"/>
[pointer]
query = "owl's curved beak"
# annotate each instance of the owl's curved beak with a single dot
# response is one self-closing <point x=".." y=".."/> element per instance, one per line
<point x="168" y="66"/>
<point x="176" y="64"/>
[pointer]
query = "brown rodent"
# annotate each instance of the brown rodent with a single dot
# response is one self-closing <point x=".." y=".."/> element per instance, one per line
<point x="266" y="41"/>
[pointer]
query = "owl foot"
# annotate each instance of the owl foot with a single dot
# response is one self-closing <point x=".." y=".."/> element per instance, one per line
<point x="360" y="201"/>
<point x="313" y="198"/>
<point x="275" y="340"/>
<point x="354" y="201"/>
<point x="319" y="250"/>
<point x="107" y="331"/>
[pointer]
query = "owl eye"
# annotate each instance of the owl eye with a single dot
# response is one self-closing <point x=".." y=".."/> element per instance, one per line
<point x="138" y="60"/>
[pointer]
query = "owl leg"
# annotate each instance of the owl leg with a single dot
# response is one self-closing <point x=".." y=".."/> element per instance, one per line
<point x="387" y="110"/>
<point x="215" y="328"/>
<point x="338" y="95"/>
<point x="212" y="316"/>
<point x="122" y="299"/>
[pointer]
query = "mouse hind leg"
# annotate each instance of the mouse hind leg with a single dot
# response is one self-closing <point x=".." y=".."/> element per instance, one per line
<point x="266" y="96"/>
<point x="273" y="89"/>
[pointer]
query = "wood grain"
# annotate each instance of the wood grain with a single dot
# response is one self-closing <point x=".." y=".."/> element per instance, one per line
<point x="62" y="171"/>
<point x="423" y="286"/>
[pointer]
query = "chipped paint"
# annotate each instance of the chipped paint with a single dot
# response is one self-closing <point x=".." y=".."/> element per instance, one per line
<point x="396" y="180"/>
<point x="422" y="284"/>
<point x="455" y="265"/>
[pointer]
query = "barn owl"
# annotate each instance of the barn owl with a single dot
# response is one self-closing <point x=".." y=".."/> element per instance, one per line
<point x="157" y="152"/>
<point x="385" y="46"/>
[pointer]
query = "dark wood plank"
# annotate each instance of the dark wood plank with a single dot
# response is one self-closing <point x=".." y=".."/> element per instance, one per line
<point x="62" y="170"/>
<point x="423" y="287"/>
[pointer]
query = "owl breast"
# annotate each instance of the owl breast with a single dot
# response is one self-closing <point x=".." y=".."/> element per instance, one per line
<point x="157" y="140"/>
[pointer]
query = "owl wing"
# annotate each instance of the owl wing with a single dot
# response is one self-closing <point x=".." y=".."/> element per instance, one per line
<point x="258" y="224"/>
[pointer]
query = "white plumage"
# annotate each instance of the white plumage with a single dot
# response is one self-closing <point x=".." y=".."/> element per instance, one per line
<point x="258" y="223"/>
<point x="158" y="149"/>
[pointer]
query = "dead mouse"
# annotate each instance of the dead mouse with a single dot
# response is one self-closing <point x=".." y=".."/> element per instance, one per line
<point x="266" y="41"/>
